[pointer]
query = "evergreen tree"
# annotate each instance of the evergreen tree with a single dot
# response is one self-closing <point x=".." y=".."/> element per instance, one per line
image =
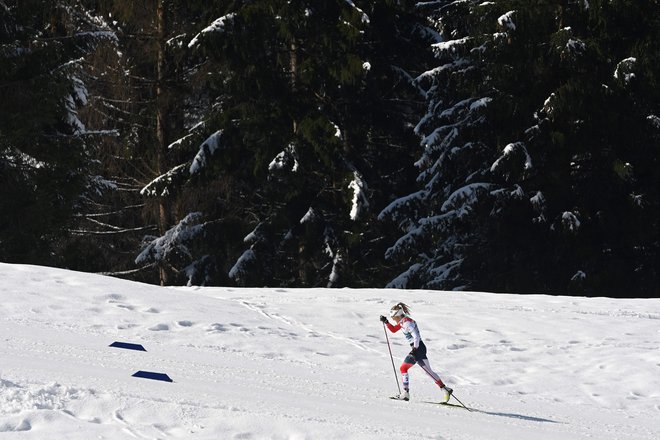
<point x="144" y="93"/>
<point x="590" y="135"/>
<point x="549" y="197"/>
<point x="298" y="100"/>
<point x="444" y="219"/>
<point x="46" y="151"/>
<point x="263" y="142"/>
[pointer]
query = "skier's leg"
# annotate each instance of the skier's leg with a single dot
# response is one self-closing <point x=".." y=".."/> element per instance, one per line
<point x="407" y="364"/>
<point x="405" y="378"/>
<point x="426" y="366"/>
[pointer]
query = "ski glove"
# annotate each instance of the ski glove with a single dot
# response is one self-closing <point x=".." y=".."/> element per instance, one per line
<point x="383" y="319"/>
<point x="414" y="352"/>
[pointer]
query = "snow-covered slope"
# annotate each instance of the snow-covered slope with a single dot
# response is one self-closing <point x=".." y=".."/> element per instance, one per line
<point x="314" y="364"/>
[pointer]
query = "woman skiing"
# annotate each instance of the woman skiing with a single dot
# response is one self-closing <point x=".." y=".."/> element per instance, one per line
<point x="401" y="314"/>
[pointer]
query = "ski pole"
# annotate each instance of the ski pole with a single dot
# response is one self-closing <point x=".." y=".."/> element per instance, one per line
<point x="462" y="404"/>
<point x="396" y="378"/>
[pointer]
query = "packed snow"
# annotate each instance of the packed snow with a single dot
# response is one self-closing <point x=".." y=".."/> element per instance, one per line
<point x="314" y="363"/>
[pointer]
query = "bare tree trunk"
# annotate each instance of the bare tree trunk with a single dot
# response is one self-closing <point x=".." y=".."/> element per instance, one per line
<point x="294" y="76"/>
<point x="161" y="116"/>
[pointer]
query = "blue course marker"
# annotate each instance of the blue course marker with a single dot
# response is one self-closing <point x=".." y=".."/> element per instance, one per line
<point x="153" y="376"/>
<point x="127" y="346"/>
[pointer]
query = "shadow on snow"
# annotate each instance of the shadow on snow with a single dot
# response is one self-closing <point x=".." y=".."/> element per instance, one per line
<point x="499" y="414"/>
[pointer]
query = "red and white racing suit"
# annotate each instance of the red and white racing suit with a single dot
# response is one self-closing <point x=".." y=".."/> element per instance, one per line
<point x="417" y="355"/>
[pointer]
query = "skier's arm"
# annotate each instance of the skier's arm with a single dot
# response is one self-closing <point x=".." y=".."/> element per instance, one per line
<point x="394" y="328"/>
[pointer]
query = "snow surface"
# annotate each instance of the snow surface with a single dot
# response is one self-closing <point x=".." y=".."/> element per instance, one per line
<point x="313" y="363"/>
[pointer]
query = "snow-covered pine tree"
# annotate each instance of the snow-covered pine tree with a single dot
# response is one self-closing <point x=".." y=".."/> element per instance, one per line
<point x="46" y="151"/>
<point x="189" y="102"/>
<point x="143" y="90"/>
<point x="591" y="138"/>
<point x="444" y="218"/>
<point x="298" y="135"/>
<point x="572" y="156"/>
<point x="285" y="112"/>
<point x="546" y="200"/>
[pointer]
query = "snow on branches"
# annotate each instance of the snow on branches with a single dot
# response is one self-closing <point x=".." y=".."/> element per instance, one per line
<point x="506" y="21"/>
<point x="161" y="186"/>
<point x="206" y="151"/>
<point x="218" y="27"/>
<point x="514" y="156"/>
<point x="285" y="160"/>
<point x="174" y="243"/>
<point x="360" y="201"/>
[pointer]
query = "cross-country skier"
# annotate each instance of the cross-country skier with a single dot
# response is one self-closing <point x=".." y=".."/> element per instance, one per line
<point x="401" y="314"/>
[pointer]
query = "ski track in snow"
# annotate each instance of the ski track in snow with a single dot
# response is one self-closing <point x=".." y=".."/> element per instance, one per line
<point x="311" y="332"/>
<point x="314" y="364"/>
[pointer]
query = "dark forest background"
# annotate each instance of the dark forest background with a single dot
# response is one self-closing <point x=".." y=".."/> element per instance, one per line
<point x="507" y="146"/>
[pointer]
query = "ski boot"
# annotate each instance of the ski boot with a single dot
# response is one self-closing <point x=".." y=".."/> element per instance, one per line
<point x="405" y="395"/>
<point x="447" y="393"/>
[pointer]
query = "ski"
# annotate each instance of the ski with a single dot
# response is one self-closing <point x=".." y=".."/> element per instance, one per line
<point x="398" y="398"/>
<point x="453" y="405"/>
